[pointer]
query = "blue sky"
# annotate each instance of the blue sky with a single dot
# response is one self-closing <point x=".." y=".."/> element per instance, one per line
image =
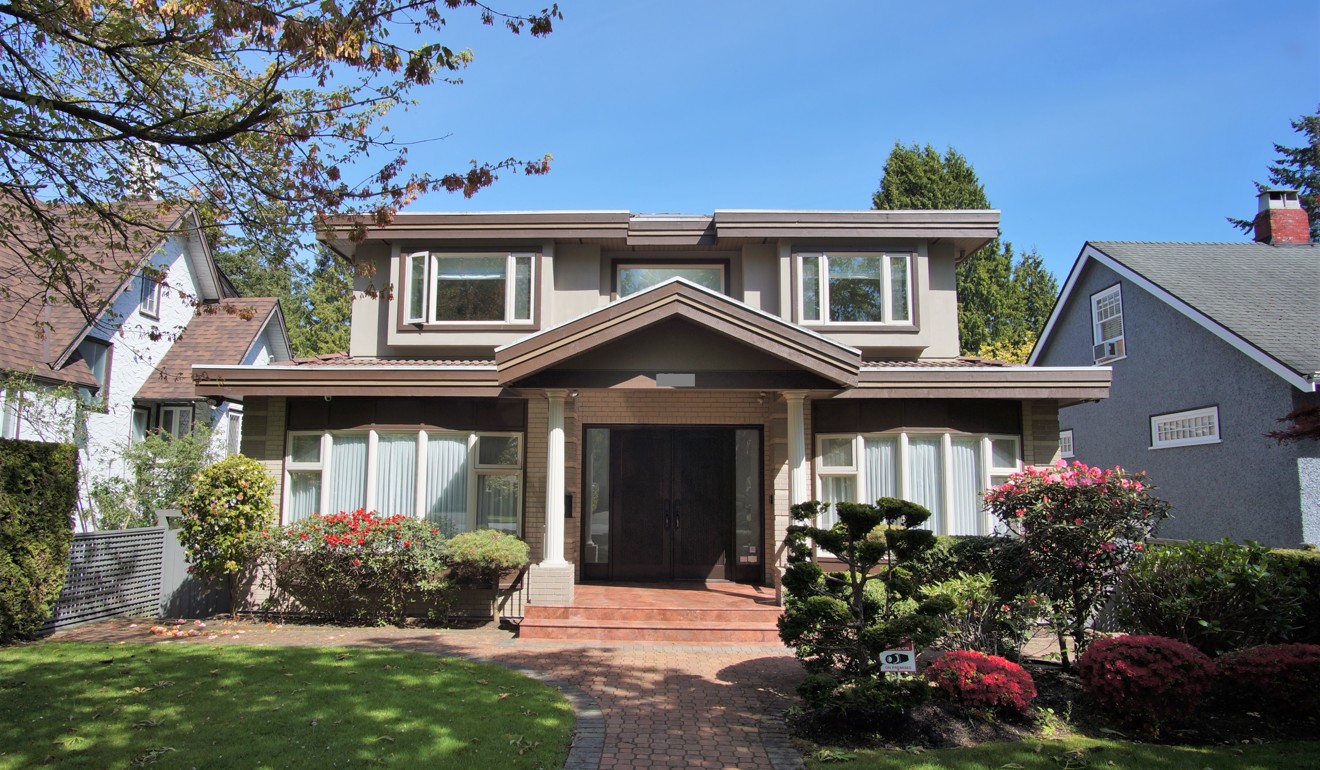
<point x="1100" y="121"/>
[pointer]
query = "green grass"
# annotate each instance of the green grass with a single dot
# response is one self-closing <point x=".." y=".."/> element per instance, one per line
<point x="187" y="705"/>
<point x="1076" y="753"/>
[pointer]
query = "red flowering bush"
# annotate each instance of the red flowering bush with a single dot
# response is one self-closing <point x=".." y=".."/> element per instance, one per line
<point x="982" y="681"/>
<point x="1274" y="677"/>
<point x="360" y="566"/>
<point x="1151" y="681"/>
<point x="1080" y="526"/>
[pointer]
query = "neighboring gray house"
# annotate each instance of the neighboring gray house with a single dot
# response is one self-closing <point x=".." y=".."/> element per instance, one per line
<point x="1210" y="344"/>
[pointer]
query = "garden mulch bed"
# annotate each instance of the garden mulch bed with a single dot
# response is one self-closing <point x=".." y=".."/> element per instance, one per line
<point x="1061" y="708"/>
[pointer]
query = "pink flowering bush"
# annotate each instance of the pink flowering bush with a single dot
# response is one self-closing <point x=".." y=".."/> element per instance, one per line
<point x="361" y="567"/>
<point x="1273" y="677"/>
<point x="1149" y="681"/>
<point x="982" y="681"/>
<point x="1081" y="526"/>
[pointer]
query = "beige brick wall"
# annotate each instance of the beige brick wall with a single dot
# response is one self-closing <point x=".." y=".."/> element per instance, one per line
<point x="264" y="420"/>
<point x="1040" y="432"/>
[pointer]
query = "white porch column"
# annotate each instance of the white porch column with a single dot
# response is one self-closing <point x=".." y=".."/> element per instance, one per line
<point x="554" y="481"/>
<point x="798" y="487"/>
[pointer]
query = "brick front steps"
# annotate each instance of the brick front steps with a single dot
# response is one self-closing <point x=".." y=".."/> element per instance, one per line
<point x="723" y="616"/>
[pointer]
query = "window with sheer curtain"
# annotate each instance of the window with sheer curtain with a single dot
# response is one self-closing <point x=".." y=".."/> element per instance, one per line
<point x="457" y="481"/>
<point x="944" y="472"/>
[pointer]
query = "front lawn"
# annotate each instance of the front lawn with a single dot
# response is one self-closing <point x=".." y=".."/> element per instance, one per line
<point x="123" y="706"/>
<point x="1074" y="753"/>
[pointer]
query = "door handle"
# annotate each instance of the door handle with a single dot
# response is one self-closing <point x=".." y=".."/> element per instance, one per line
<point x="676" y="504"/>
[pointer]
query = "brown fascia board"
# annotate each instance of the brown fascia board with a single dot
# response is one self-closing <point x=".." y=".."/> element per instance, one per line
<point x="971" y="228"/>
<point x="673" y="230"/>
<point x="1067" y="384"/>
<point x="355" y="380"/>
<point x="787" y="342"/>
<point x="478" y="225"/>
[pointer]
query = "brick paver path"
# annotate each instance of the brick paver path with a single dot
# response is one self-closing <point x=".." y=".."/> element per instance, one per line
<point x="665" y="706"/>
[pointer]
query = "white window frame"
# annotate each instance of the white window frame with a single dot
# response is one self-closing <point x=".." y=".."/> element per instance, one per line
<point x="184" y="411"/>
<point x="475" y="468"/>
<point x="1066" y="443"/>
<point x="990" y="474"/>
<point x="1159" y="420"/>
<point x="1108" y="349"/>
<point x="234" y="428"/>
<point x="11" y="422"/>
<point x="432" y="260"/>
<point x="149" y="297"/>
<point x="821" y="315"/>
<point x="141" y="418"/>
<point x="619" y="267"/>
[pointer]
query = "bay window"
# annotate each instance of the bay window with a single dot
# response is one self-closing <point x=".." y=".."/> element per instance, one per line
<point x="468" y="288"/>
<point x="843" y="287"/>
<point x="941" y="471"/>
<point x="457" y="481"/>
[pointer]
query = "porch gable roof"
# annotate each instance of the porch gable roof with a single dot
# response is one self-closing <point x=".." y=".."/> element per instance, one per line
<point x="682" y="299"/>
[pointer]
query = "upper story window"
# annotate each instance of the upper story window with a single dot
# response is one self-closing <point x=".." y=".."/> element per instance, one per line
<point x="1107" y="325"/>
<point x="97" y="355"/>
<point x="1195" y="426"/>
<point x="632" y="278"/>
<point x="149" y="296"/>
<point x="468" y="288"/>
<point x="855" y="288"/>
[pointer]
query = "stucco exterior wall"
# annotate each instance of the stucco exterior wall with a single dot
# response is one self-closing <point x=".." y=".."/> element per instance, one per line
<point x="1245" y="487"/>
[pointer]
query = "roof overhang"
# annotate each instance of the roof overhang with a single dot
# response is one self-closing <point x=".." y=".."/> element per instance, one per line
<point x="968" y="230"/>
<point x="678" y="298"/>
<point x="352" y="380"/>
<point x="1066" y="384"/>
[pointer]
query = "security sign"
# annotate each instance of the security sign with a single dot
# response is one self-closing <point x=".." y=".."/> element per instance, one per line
<point x="903" y="659"/>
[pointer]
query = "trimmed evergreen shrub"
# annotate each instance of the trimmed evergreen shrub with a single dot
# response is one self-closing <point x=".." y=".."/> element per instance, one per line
<point x="38" y="492"/>
<point x="1217" y="597"/>
<point x="1149" y="681"/>
<point x="1273" y="677"/>
<point x="223" y="517"/>
<point x="1308" y="561"/>
<point x="982" y="681"/>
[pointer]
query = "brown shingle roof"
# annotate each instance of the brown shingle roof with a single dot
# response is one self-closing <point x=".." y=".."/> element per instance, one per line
<point x="218" y="334"/>
<point x="40" y="323"/>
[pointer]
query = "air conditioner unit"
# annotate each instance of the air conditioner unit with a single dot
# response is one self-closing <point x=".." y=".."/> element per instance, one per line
<point x="1107" y="351"/>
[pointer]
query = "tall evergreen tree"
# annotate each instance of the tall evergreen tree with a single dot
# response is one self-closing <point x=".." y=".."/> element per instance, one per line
<point x="1002" y="302"/>
<point x="322" y="326"/>
<point x="1297" y="168"/>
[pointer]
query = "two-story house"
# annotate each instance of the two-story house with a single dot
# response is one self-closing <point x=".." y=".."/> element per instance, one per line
<point x="157" y="304"/>
<point x="1210" y="345"/>
<point x="643" y="397"/>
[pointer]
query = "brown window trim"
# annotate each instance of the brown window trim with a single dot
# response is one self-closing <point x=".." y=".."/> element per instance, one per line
<point x="538" y="264"/>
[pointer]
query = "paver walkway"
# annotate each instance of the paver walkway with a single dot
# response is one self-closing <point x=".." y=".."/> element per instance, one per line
<point x="665" y="706"/>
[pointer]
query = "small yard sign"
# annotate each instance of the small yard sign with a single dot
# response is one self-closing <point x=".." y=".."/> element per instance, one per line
<point x="901" y="660"/>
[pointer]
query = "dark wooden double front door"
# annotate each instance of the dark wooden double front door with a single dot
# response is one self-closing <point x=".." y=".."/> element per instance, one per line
<point x="672" y="500"/>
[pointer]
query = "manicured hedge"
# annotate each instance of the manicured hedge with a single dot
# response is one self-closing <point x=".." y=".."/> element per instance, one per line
<point x="38" y="492"/>
<point x="1309" y="563"/>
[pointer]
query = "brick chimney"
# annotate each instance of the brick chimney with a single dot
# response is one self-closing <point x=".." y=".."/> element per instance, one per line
<point x="1281" y="218"/>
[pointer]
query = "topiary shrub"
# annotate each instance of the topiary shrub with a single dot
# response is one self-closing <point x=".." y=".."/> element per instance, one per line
<point x="361" y="567"/>
<point x="840" y="623"/>
<point x="482" y="555"/>
<point x="1217" y="597"/>
<point x="982" y="681"/>
<point x="1151" y="682"/>
<point x="223" y="517"/>
<point x="1273" y="677"/>
<point x="38" y="493"/>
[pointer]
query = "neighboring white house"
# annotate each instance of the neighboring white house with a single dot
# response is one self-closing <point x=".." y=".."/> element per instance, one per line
<point x="160" y="304"/>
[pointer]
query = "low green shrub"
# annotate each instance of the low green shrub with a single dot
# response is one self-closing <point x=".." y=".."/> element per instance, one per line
<point x="361" y="567"/>
<point x="982" y="681"/>
<point x="1003" y="558"/>
<point x="38" y="492"/>
<point x="1276" y="677"/>
<point x="482" y="555"/>
<point x="1150" y="682"/>
<point x="1217" y="597"/>
<point x="981" y="619"/>
<point x="1308" y="561"/>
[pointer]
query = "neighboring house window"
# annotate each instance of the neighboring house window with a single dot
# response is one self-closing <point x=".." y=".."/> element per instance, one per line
<point x="235" y="426"/>
<point x="149" y="297"/>
<point x="97" y="355"/>
<point x="841" y="288"/>
<point x="469" y="288"/>
<point x="458" y="481"/>
<point x="1107" y="325"/>
<point x="176" y="420"/>
<point x="944" y="472"/>
<point x="13" y="415"/>
<point x="141" y="422"/>
<point x="1195" y="426"/>
<point x="631" y="279"/>
<point x="1066" y="443"/>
